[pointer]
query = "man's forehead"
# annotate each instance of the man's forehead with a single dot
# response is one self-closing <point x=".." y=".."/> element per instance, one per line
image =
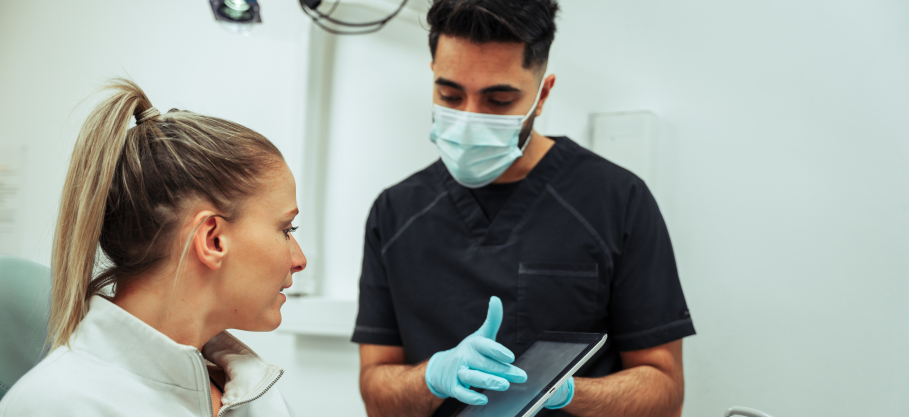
<point x="507" y="50"/>
<point x="482" y="65"/>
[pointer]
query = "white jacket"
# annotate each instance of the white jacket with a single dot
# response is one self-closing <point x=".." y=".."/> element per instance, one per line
<point x="116" y="365"/>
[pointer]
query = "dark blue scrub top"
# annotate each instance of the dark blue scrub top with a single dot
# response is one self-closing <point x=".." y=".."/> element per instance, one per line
<point x="579" y="246"/>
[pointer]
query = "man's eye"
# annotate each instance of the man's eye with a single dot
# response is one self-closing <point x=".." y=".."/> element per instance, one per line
<point x="449" y="98"/>
<point x="501" y="103"/>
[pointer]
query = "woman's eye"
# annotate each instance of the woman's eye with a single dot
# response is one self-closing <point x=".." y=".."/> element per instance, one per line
<point x="290" y="230"/>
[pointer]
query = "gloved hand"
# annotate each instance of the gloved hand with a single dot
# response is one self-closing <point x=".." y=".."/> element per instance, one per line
<point x="562" y="396"/>
<point x="478" y="361"/>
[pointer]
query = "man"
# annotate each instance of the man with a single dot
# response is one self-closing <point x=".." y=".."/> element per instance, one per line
<point x="551" y="236"/>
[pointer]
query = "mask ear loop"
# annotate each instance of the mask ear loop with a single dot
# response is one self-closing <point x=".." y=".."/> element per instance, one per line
<point x="532" y="110"/>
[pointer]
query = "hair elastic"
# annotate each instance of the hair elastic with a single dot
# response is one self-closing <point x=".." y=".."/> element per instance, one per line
<point x="146" y="115"/>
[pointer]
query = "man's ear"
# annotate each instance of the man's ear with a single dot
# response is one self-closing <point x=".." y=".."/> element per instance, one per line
<point x="548" y="83"/>
<point x="209" y="240"/>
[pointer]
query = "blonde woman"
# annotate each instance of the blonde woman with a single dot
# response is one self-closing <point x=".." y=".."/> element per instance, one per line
<point x="192" y="215"/>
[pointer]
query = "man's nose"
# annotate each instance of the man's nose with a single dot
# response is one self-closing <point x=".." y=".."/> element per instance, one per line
<point x="473" y="104"/>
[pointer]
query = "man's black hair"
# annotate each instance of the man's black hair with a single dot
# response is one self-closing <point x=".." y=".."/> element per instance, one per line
<point x="531" y="22"/>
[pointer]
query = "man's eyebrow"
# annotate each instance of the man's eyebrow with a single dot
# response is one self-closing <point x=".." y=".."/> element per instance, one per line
<point x="449" y="83"/>
<point x="500" y="88"/>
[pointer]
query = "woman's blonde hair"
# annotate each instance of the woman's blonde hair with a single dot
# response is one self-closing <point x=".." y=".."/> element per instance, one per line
<point x="126" y="188"/>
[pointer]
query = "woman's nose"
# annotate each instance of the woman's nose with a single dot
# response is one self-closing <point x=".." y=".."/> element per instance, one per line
<point x="298" y="259"/>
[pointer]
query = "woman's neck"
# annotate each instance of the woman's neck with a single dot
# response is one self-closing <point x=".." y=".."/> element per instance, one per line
<point x="179" y="312"/>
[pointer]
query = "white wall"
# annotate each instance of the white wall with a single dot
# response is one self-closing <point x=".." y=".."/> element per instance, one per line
<point x="782" y="170"/>
<point x="784" y="179"/>
<point x="54" y="53"/>
<point x="378" y="134"/>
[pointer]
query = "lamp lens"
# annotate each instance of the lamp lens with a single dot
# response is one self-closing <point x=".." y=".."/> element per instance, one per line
<point x="237" y="11"/>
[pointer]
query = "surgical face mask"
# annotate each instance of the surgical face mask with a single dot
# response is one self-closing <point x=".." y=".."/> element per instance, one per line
<point x="477" y="148"/>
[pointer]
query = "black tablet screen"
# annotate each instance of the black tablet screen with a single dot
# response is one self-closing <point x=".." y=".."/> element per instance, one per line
<point x="543" y="362"/>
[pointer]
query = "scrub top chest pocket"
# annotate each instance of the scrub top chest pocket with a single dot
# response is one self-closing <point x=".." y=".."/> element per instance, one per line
<point x="555" y="297"/>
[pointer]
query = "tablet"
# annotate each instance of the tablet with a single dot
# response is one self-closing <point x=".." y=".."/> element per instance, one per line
<point x="549" y="361"/>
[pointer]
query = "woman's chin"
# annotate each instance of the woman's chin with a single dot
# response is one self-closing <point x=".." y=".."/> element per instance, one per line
<point x="268" y="323"/>
<point x="275" y="325"/>
<point x="275" y="321"/>
<point x="269" y="320"/>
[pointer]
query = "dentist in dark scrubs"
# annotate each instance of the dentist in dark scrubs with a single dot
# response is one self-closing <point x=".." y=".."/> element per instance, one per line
<point x="510" y="234"/>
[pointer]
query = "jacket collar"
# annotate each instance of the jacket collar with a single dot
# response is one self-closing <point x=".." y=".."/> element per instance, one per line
<point x="117" y="337"/>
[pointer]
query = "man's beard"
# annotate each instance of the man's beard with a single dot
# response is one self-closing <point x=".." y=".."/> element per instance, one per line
<point x="524" y="136"/>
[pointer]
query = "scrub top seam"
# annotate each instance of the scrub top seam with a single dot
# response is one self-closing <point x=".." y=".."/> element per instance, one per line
<point x="556" y="272"/>
<point x="528" y="213"/>
<point x="373" y="329"/>
<point x="653" y="330"/>
<point x="411" y="220"/>
<point x="579" y="217"/>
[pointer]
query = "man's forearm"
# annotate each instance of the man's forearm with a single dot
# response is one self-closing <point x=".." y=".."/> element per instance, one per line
<point x="642" y="391"/>
<point x="397" y="390"/>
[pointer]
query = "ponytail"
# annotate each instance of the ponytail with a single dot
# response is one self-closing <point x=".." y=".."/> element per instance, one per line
<point x="125" y="192"/>
<point x="82" y="207"/>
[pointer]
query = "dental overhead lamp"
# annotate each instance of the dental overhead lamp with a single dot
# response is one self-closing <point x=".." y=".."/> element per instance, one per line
<point x="239" y="16"/>
<point x="236" y="16"/>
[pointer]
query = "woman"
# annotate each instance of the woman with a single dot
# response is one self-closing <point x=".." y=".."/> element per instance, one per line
<point x="193" y="217"/>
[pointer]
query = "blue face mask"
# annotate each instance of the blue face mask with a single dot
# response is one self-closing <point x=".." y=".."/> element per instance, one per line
<point x="477" y="148"/>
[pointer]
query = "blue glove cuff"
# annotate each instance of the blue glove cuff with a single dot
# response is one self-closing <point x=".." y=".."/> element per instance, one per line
<point x="569" y="385"/>
<point x="426" y="377"/>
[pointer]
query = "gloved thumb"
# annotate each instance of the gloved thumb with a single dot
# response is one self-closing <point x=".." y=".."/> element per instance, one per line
<point x="490" y="327"/>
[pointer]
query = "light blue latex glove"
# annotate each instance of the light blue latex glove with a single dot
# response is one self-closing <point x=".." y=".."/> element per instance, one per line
<point x="478" y="361"/>
<point x="562" y="396"/>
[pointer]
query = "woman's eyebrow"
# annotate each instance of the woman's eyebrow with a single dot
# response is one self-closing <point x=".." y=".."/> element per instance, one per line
<point x="292" y="213"/>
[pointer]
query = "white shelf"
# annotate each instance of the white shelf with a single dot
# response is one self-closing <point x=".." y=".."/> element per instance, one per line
<point x="318" y="316"/>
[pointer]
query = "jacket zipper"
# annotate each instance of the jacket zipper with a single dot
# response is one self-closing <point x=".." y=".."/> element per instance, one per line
<point x="211" y="411"/>
<point x="273" y="382"/>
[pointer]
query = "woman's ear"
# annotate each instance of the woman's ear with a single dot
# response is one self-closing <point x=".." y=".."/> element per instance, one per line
<point x="209" y="240"/>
